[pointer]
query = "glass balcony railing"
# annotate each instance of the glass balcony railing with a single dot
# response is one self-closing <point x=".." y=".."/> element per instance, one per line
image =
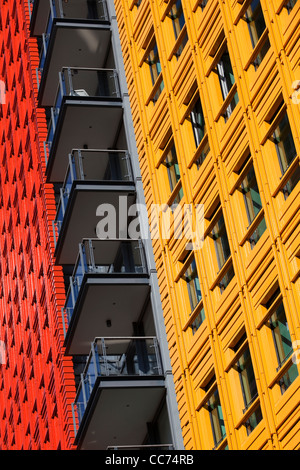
<point x="129" y="258"/>
<point x="82" y="83"/>
<point x="78" y="9"/>
<point x="43" y="54"/>
<point x="91" y="165"/>
<point x="116" y="357"/>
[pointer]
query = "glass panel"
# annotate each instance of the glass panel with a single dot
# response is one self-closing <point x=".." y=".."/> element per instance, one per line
<point x="127" y="356"/>
<point x="288" y="378"/>
<point x="193" y="285"/>
<point x="225" y="74"/>
<point x="284" y="142"/>
<point x="198" y="321"/>
<point x="221" y="241"/>
<point x="281" y="335"/>
<point x="228" y="276"/>
<point x="91" y="82"/>
<point x="154" y="64"/>
<point x="216" y="417"/>
<point x="77" y="9"/>
<point x="290" y="5"/>
<point x="247" y="379"/>
<point x="181" y="45"/>
<point x="257" y="233"/>
<point x="256" y="21"/>
<point x="261" y="53"/>
<point x="251" y="195"/>
<point x="172" y="167"/>
<point x="126" y="257"/>
<point x="253" y="420"/>
<point x="101" y="165"/>
<point x="198" y="123"/>
<point x="203" y="155"/>
<point x="292" y="182"/>
<point x="177" y="16"/>
<point x="203" y="4"/>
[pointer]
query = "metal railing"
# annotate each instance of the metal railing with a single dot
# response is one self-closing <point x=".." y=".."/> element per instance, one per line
<point x="133" y="356"/>
<point x="129" y="257"/>
<point x="91" y="165"/>
<point x="79" y="9"/>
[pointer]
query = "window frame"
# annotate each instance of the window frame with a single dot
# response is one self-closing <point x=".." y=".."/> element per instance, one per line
<point x="268" y="307"/>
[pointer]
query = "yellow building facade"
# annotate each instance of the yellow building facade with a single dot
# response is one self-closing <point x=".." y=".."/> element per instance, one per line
<point x="214" y="87"/>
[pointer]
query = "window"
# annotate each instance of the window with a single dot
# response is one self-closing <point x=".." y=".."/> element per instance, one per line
<point x="284" y="142"/>
<point x="249" y="389"/>
<point x="250" y="191"/>
<point x="192" y="281"/>
<point x="197" y="322"/>
<point x="203" y="4"/>
<point x="253" y="204"/>
<point x="286" y="153"/>
<point x="154" y="64"/>
<point x="222" y="249"/>
<point x="283" y="346"/>
<point x="214" y="408"/>
<point x="177" y="16"/>
<point x="226" y="80"/>
<point x="172" y="166"/>
<point x="247" y="379"/>
<point x="198" y="123"/>
<point x="290" y="5"/>
<point x="155" y="70"/>
<point x="219" y="236"/>
<point x="257" y="26"/>
<point x="178" y="21"/>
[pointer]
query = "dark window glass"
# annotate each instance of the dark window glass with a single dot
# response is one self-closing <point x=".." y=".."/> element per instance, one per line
<point x="284" y="142"/>
<point x="216" y="417"/>
<point x="220" y="238"/>
<point x="247" y="378"/>
<point x="198" y="123"/>
<point x="193" y="284"/>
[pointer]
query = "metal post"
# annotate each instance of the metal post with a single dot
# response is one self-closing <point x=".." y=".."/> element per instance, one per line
<point x="91" y="252"/>
<point x="80" y="164"/>
<point x="104" y="356"/>
<point x="74" y="418"/>
<point x="54" y="232"/>
<point x="157" y="354"/>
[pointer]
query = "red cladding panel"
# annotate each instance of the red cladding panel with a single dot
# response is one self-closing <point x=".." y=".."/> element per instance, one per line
<point x="37" y="383"/>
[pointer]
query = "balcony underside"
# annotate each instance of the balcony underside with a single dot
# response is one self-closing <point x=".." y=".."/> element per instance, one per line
<point x="117" y="413"/>
<point x="39" y="17"/>
<point x="80" y="219"/>
<point x="120" y="299"/>
<point x="73" y="44"/>
<point x="83" y="123"/>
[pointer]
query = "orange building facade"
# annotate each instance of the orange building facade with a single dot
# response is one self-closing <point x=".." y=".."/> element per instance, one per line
<point x="215" y="92"/>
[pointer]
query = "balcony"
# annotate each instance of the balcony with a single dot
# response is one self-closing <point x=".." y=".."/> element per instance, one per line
<point x="107" y="276"/>
<point x="87" y="114"/>
<point x="121" y="375"/>
<point x="93" y="178"/>
<point x="72" y="36"/>
<point x="45" y="12"/>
